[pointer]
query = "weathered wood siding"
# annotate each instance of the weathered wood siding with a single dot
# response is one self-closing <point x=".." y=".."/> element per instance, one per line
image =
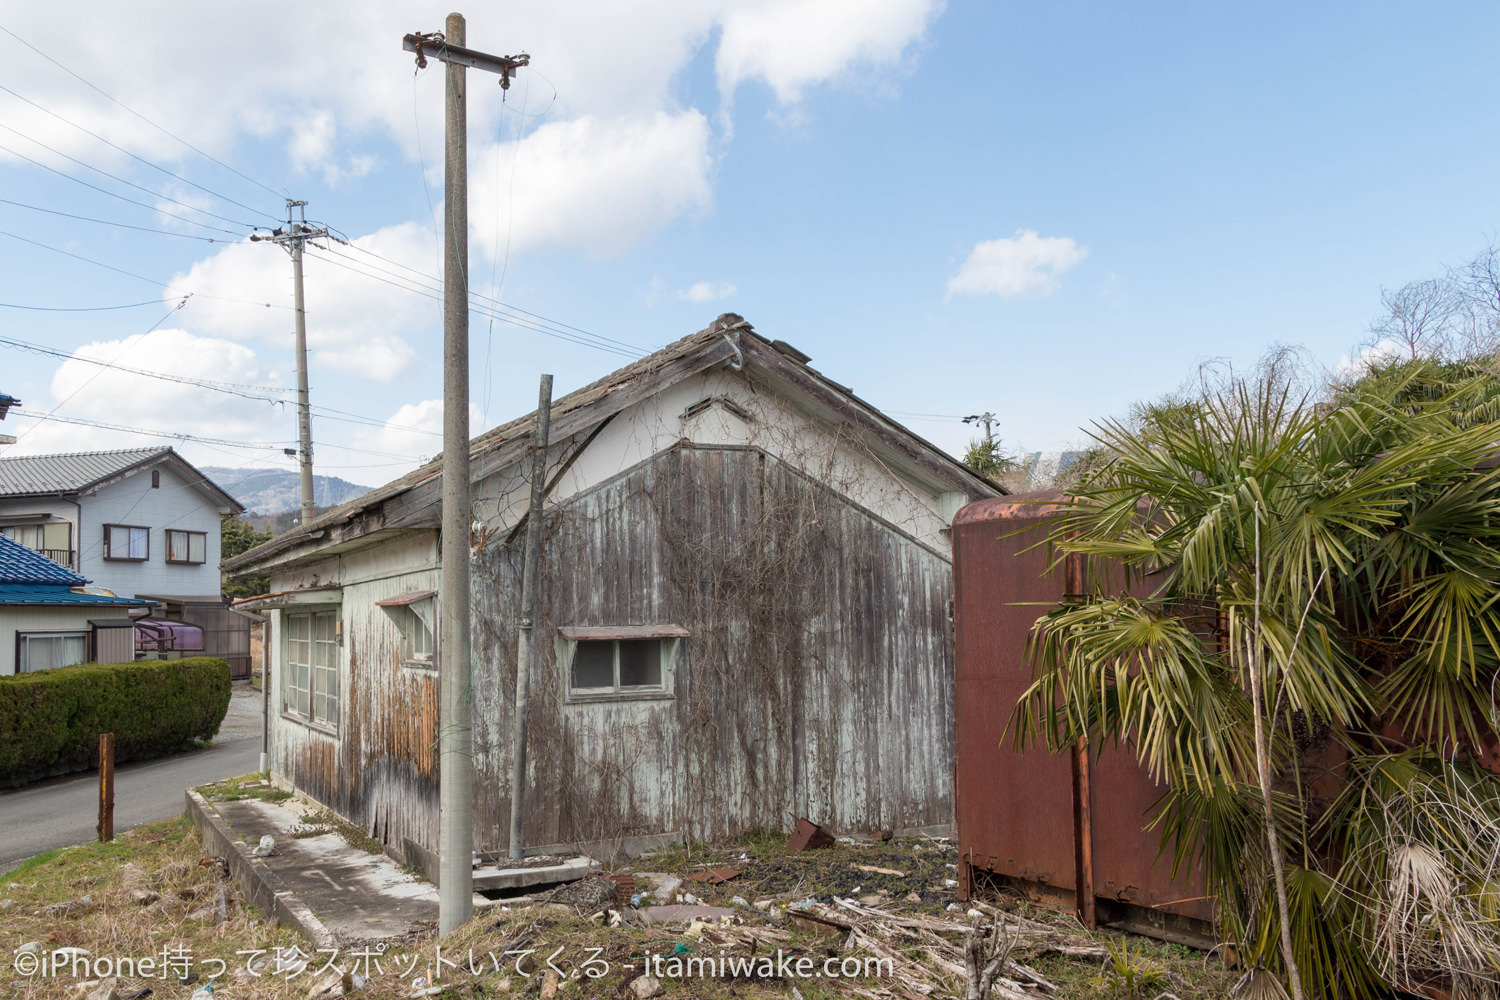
<point x="380" y="768"/>
<point x="818" y="679"/>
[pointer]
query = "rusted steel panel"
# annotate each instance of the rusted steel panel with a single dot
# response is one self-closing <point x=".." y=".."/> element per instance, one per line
<point x="1055" y="820"/>
<point x="1014" y="809"/>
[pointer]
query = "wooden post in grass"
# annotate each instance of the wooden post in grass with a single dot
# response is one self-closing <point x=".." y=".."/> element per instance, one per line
<point x="106" y="787"/>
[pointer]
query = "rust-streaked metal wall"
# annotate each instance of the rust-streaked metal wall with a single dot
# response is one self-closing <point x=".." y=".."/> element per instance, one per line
<point x="1048" y="823"/>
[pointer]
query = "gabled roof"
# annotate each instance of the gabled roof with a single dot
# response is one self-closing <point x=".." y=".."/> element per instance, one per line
<point x="728" y="339"/>
<point x="80" y="472"/>
<point x="21" y="565"/>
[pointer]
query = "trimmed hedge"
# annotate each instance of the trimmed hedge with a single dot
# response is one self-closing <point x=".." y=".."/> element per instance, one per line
<point x="50" y="720"/>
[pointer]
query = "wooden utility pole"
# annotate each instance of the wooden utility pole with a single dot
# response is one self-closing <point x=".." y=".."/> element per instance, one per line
<point x="528" y="615"/>
<point x="106" y="825"/>
<point x="455" y="700"/>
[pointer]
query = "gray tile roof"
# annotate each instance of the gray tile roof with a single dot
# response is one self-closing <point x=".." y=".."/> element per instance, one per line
<point x="33" y="474"/>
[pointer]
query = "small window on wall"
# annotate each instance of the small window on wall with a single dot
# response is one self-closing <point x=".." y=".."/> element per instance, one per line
<point x="127" y="541"/>
<point x="415" y="617"/>
<point x="620" y="662"/>
<point x="187" y="547"/>
<point x="50" y="650"/>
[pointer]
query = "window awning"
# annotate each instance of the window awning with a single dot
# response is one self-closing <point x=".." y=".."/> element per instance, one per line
<point x="290" y="598"/>
<point x="401" y="600"/>
<point x="576" y="633"/>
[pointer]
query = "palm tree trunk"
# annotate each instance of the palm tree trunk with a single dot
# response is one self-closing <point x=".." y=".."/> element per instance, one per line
<point x="1263" y="773"/>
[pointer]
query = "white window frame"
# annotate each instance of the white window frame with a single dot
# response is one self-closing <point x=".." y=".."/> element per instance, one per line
<point x="419" y="635"/>
<point x="310" y="673"/>
<point x="201" y="537"/>
<point x="129" y="543"/>
<point x="25" y="639"/>
<point x="668" y="638"/>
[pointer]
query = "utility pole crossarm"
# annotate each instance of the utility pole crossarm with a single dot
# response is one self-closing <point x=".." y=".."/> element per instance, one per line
<point x="456" y="55"/>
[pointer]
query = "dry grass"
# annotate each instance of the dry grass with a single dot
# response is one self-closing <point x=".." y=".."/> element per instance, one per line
<point x="165" y="861"/>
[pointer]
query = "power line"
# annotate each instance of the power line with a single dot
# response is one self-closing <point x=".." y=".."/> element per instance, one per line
<point x="241" y="389"/>
<point x="500" y="310"/>
<point x="80" y="309"/>
<point x="119" y="225"/>
<point x="199" y="439"/>
<point x="142" y="117"/>
<point x="133" y="156"/>
<point x="121" y="180"/>
<point x="132" y="274"/>
<point x="436" y="295"/>
<point x="178" y="435"/>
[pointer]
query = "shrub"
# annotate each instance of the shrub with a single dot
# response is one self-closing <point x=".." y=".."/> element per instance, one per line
<point x="50" y="720"/>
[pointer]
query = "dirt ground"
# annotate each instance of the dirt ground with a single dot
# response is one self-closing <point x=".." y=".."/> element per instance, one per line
<point x="840" y="911"/>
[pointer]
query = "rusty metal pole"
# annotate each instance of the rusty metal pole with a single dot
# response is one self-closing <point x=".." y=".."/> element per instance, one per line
<point x="528" y="616"/>
<point x="106" y="827"/>
<point x="455" y="738"/>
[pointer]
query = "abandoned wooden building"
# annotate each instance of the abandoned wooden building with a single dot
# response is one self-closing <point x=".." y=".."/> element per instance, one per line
<point x="744" y="616"/>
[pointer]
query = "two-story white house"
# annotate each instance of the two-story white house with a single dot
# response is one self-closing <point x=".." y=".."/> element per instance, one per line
<point x="139" y="522"/>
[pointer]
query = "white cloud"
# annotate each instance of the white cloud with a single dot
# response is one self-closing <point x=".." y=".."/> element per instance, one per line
<point x="108" y="395"/>
<point x="383" y="359"/>
<point x="353" y="303"/>
<point x="707" y="291"/>
<point x="414" y="432"/>
<point x="791" y="44"/>
<point x="1380" y="353"/>
<point x="593" y="184"/>
<point x="1023" y="265"/>
<point x="617" y="132"/>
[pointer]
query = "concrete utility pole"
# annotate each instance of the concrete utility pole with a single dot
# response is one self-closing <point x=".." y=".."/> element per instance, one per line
<point x="292" y="239"/>
<point x="528" y="615"/>
<point x="455" y="704"/>
<point x="987" y="419"/>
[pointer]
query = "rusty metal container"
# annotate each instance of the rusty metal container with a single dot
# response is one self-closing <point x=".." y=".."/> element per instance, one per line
<point x="1042" y="823"/>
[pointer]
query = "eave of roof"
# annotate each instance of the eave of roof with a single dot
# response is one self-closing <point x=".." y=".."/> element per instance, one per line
<point x="727" y="337"/>
<point x="42" y="595"/>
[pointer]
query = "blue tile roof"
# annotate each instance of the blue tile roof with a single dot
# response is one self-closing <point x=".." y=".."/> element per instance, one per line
<point x="60" y="595"/>
<point x="18" y="564"/>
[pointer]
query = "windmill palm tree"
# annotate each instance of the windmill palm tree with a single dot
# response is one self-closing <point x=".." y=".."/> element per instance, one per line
<point x="1303" y="653"/>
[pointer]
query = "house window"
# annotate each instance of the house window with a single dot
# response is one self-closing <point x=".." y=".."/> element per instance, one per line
<point x="415" y="616"/>
<point x="309" y="673"/>
<point x="127" y="541"/>
<point x="620" y="662"/>
<point x="50" y="650"/>
<point x="53" y="539"/>
<point x="187" y="546"/>
<point x="156" y="479"/>
<point x="416" y="639"/>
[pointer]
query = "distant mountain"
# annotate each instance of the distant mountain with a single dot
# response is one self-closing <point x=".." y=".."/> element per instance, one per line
<point x="276" y="491"/>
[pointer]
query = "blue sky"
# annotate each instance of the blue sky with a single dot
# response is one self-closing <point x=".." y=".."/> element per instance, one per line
<point x="1044" y="210"/>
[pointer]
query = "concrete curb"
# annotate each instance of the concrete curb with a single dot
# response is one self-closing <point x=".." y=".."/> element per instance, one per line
<point x="260" y="884"/>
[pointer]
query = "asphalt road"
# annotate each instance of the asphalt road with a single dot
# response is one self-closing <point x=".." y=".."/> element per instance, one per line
<point x="63" y="811"/>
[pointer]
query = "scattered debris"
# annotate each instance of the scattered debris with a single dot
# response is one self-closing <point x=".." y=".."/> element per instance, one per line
<point x="809" y="836"/>
<point x="681" y="914"/>
<point x="590" y="893"/>
<point x="265" y="848"/>
<point x="645" y="987"/>
<point x="877" y="870"/>
<point x="107" y="989"/>
<point x="716" y="876"/>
